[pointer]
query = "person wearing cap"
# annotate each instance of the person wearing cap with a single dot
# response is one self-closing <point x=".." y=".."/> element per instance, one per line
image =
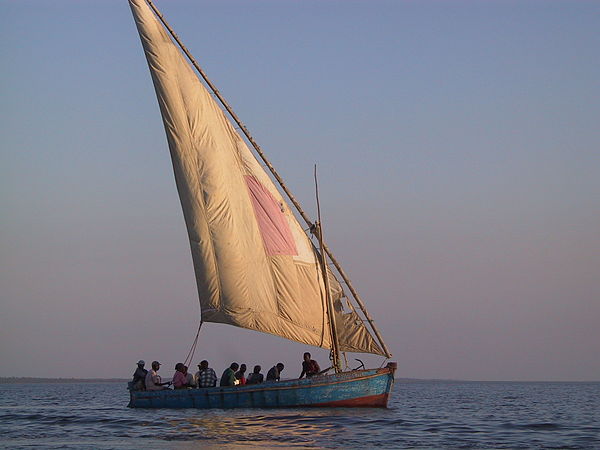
<point x="205" y="377"/>
<point x="153" y="380"/>
<point x="139" y="377"/>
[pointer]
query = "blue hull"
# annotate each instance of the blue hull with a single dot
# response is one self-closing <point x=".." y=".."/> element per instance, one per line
<point x="358" y="388"/>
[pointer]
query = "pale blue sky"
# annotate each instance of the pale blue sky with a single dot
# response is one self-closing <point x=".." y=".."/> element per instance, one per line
<point x="458" y="151"/>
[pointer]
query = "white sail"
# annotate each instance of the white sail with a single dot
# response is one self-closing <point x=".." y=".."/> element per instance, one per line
<point x="255" y="267"/>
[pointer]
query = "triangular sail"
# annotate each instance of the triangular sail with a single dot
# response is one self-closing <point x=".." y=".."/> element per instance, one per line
<point x="255" y="267"/>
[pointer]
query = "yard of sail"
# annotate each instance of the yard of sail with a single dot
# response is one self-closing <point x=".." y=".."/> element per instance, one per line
<point x="255" y="267"/>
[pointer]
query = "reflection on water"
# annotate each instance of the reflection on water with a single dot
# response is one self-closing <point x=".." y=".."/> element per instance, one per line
<point x="270" y="428"/>
<point x="423" y="415"/>
<point x="288" y="426"/>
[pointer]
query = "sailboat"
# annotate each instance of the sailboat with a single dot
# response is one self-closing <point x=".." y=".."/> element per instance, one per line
<point x="256" y="266"/>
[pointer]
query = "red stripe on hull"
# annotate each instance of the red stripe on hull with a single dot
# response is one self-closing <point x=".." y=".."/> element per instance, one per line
<point x="370" y="401"/>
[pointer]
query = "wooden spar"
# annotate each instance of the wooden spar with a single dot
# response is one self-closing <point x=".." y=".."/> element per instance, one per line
<point x="335" y="345"/>
<point x="358" y="300"/>
<point x="285" y="189"/>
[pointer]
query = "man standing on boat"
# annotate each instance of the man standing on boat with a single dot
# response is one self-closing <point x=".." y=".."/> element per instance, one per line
<point x="310" y="367"/>
<point x="153" y="380"/>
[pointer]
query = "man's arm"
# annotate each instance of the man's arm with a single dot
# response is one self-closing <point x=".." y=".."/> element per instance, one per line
<point x="304" y="371"/>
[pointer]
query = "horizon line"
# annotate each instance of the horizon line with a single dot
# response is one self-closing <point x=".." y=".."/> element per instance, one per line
<point x="12" y="379"/>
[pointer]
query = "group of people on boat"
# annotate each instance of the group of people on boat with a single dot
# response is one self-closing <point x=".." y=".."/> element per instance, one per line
<point x="205" y="377"/>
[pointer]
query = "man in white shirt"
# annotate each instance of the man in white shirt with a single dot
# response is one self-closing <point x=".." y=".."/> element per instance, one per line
<point x="153" y="380"/>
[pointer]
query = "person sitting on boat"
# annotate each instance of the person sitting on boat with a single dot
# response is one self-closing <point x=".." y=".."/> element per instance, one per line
<point x="179" y="378"/>
<point x="205" y="377"/>
<point x="228" y="377"/>
<point x="255" y="377"/>
<point x="310" y="367"/>
<point x="153" y="380"/>
<point x="189" y="378"/>
<point x="240" y="375"/>
<point x="139" y="377"/>
<point x="274" y="373"/>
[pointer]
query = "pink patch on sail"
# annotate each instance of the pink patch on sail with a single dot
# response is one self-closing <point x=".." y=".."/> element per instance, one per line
<point x="272" y="223"/>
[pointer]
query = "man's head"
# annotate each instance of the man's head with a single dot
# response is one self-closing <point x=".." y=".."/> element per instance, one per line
<point x="155" y="365"/>
<point x="234" y="366"/>
<point x="243" y="367"/>
<point x="203" y="365"/>
<point x="280" y="366"/>
<point x="141" y="363"/>
<point x="257" y="369"/>
<point x="307" y="356"/>
<point x="179" y="367"/>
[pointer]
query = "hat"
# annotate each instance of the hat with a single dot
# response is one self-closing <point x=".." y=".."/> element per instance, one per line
<point x="141" y="362"/>
<point x="156" y="362"/>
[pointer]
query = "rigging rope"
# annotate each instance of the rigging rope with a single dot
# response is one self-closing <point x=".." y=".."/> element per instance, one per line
<point x="190" y="355"/>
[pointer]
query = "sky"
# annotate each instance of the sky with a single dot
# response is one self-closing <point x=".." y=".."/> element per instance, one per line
<point x="457" y="145"/>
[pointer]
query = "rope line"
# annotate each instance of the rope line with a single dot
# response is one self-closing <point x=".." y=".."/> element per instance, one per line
<point x="190" y="355"/>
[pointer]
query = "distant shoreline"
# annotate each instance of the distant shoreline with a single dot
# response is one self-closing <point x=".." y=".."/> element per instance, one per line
<point x="21" y="380"/>
<point x="33" y="380"/>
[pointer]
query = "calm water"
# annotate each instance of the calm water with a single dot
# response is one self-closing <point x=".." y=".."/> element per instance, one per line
<point x="422" y="415"/>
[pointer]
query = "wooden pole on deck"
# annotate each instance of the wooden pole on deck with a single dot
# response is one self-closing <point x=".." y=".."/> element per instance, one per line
<point x="335" y="343"/>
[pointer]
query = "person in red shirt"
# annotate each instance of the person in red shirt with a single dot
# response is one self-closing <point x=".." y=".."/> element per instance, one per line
<point x="310" y="368"/>
<point x="240" y="375"/>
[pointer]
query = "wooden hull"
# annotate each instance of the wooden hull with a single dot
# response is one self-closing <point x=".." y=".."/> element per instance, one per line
<point x="358" y="388"/>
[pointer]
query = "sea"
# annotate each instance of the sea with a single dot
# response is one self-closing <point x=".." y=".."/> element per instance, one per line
<point x="421" y="414"/>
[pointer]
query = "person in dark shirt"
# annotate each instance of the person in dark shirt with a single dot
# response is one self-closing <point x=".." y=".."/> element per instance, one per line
<point x="274" y="373"/>
<point x="310" y="367"/>
<point x="240" y="375"/>
<point x="255" y="377"/>
<point x="139" y="377"/>
<point x="228" y="377"/>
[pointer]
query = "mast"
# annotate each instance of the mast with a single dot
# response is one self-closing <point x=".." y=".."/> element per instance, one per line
<point x="335" y="346"/>
<point x="259" y="151"/>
